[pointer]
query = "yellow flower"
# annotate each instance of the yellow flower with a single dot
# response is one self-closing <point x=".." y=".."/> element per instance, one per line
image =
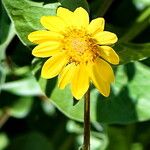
<point x="77" y="51"/>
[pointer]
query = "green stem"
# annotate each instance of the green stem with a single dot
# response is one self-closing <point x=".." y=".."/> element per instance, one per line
<point x="4" y="117"/>
<point x="86" y="144"/>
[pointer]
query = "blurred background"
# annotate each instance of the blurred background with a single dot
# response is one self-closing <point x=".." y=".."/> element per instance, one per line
<point x="35" y="114"/>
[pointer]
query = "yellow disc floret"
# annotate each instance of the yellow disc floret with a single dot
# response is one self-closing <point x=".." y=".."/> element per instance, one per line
<point x="80" y="47"/>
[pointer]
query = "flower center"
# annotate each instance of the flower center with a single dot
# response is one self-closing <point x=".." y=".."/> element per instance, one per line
<point x="80" y="47"/>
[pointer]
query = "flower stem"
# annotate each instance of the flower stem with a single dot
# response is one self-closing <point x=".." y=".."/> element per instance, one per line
<point x="86" y="144"/>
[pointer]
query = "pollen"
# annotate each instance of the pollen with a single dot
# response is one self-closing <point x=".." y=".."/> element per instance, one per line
<point x="80" y="47"/>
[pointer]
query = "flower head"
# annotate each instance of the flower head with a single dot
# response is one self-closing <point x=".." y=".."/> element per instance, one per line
<point x="77" y="49"/>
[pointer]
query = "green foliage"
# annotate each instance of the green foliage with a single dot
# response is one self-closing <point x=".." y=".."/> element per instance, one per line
<point x="23" y="87"/>
<point x="33" y="110"/>
<point x="129" y="52"/>
<point x="26" y="16"/>
<point x="3" y="141"/>
<point x="73" y="4"/>
<point x="130" y="94"/>
<point x="4" y="21"/>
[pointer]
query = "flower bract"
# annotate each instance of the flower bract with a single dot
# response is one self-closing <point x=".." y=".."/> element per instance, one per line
<point x="78" y="51"/>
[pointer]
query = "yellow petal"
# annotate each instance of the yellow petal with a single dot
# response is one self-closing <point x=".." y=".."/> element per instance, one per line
<point x="81" y="17"/>
<point x="53" y="66"/>
<point x="105" y="38"/>
<point x="96" y="25"/>
<point x="80" y="81"/>
<point x="96" y="77"/>
<point x="105" y="70"/>
<point x="66" y="75"/>
<point x="109" y="54"/>
<point x="41" y="36"/>
<point x="53" y="23"/>
<point x="47" y="49"/>
<point x="66" y="15"/>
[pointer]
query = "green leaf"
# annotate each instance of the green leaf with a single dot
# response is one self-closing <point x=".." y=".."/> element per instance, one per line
<point x="129" y="52"/>
<point x="21" y="107"/>
<point x="4" y="24"/>
<point x="3" y="47"/>
<point x="121" y="135"/>
<point x="141" y="4"/>
<point x="128" y="101"/>
<point x="26" y="16"/>
<point x="23" y="87"/>
<point x="73" y="4"/>
<point x="15" y="106"/>
<point x="3" y="141"/>
<point x="7" y="41"/>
